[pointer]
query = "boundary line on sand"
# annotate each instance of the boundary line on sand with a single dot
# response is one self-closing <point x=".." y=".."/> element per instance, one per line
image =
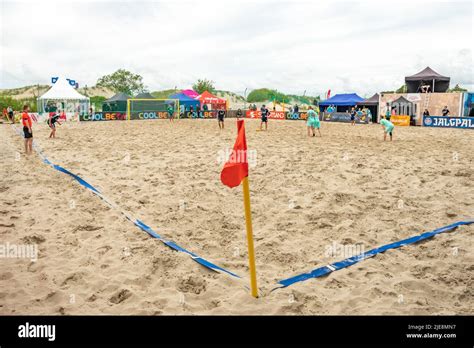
<point x="336" y="266"/>
<point x="316" y="273"/>
<point x="140" y="224"/>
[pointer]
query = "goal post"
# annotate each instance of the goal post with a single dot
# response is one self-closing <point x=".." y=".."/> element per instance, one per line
<point x="145" y="109"/>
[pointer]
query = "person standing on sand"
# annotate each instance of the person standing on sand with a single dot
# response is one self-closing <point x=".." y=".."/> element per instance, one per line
<point x="220" y="118"/>
<point x="53" y="119"/>
<point x="388" y="128"/>
<point x="27" y="130"/>
<point x="239" y="114"/>
<point x="11" y="116"/>
<point x="353" y="114"/>
<point x="264" y="112"/>
<point x="313" y="122"/>
<point x="170" y="110"/>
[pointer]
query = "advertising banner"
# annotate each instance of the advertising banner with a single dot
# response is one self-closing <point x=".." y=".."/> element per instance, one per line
<point x="400" y="120"/>
<point x="277" y="115"/>
<point x="104" y="116"/>
<point x="296" y="116"/>
<point x="344" y="117"/>
<point x="449" y="122"/>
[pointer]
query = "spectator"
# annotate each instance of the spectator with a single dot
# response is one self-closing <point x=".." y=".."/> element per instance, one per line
<point x="445" y="111"/>
<point x="10" y="114"/>
<point x="426" y="112"/>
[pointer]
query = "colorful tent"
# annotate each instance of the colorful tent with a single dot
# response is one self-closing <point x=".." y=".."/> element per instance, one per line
<point x="184" y="100"/>
<point x="349" y="99"/>
<point x="190" y="93"/>
<point x="208" y="98"/>
<point x="63" y="96"/>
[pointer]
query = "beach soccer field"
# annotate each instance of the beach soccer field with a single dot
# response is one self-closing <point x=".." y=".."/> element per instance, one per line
<point x="314" y="201"/>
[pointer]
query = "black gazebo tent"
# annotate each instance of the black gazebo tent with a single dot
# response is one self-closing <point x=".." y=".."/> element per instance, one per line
<point x="116" y="103"/>
<point x="144" y="95"/>
<point x="372" y="104"/>
<point x="427" y="76"/>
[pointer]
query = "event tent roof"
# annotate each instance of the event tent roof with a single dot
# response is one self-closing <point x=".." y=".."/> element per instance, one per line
<point x="184" y="99"/>
<point x="427" y="74"/>
<point x="190" y="93"/>
<point x="439" y="83"/>
<point x="208" y="98"/>
<point x="402" y="100"/>
<point x="62" y="90"/>
<point x="342" y="100"/>
<point x="373" y="100"/>
<point x="118" y="97"/>
<point x="144" y="95"/>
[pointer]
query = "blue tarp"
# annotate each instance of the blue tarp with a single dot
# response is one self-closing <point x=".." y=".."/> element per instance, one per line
<point x="185" y="100"/>
<point x="350" y="99"/>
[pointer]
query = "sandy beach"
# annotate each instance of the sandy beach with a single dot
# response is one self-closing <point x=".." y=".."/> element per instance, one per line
<point x="348" y="188"/>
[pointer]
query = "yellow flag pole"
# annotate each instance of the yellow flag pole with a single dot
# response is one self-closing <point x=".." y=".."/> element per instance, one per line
<point x="248" y="222"/>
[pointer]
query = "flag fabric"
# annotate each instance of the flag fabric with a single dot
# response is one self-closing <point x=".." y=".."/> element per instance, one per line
<point x="329" y="94"/>
<point x="237" y="167"/>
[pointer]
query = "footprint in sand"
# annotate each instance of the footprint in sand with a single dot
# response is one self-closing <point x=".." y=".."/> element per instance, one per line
<point x="121" y="296"/>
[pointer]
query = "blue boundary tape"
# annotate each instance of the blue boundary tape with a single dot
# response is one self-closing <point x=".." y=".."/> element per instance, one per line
<point x="316" y="273"/>
<point x="140" y="224"/>
<point x="325" y="270"/>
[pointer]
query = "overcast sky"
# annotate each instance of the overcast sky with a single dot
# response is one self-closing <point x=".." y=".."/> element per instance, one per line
<point x="293" y="46"/>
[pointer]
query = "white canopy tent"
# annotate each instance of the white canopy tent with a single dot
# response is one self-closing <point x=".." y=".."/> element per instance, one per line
<point x="64" y="97"/>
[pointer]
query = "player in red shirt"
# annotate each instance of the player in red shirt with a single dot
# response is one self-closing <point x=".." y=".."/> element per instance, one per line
<point x="27" y="130"/>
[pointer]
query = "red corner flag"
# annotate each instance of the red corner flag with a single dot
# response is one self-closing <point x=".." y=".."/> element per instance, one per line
<point x="237" y="167"/>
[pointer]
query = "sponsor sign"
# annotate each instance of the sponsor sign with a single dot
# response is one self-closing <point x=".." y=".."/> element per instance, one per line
<point x="277" y="115"/>
<point x="448" y="122"/>
<point x="344" y="117"/>
<point x="104" y="116"/>
<point x="400" y="120"/>
<point x="296" y="116"/>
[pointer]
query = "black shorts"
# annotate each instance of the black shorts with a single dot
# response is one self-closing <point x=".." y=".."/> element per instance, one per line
<point x="27" y="133"/>
<point x="220" y="118"/>
<point x="265" y="119"/>
<point x="352" y="118"/>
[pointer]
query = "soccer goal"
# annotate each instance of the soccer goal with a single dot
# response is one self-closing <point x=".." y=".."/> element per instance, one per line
<point x="145" y="109"/>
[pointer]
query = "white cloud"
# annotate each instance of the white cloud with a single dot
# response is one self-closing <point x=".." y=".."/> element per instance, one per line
<point x="364" y="46"/>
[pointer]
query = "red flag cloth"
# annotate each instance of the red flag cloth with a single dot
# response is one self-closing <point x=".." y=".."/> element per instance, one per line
<point x="237" y="167"/>
<point x="329" y="94"/>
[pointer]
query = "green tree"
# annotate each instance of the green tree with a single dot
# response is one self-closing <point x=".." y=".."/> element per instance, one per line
<point x="264" y="94"/>
<point x="123" y="81"/>
<point x="457" y="88"/>
<point x="402" y="89"/>
<point x="17" y="104"/>
<point x="97" y="102"/>
<point x="204" y="85"/>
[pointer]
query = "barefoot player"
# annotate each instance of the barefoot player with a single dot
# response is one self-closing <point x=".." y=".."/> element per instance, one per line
<point x="27" y="130"/>
<point x="388" y="128"/>
<point x="264" y="111"/>
<point x="313" y="122"/>
<point x="220" y="118"/>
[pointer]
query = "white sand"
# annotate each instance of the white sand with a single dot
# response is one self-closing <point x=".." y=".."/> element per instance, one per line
<point x="307" y="194"/>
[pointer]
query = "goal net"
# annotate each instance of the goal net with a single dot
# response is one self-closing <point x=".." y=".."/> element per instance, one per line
<point x="145" y="109"/>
